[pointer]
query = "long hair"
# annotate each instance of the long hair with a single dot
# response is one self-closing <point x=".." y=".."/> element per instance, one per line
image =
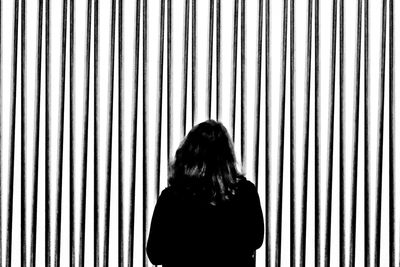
<point x="205" y="163"/>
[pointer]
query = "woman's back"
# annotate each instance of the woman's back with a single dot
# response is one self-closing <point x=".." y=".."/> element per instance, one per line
<point x="210" y="215"/>
<point x="190" y="231"/>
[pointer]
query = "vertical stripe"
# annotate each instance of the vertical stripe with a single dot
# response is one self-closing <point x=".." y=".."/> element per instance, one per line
<point x="306" y="138"/>
<point x="169" y="82"/>
<point x="8" y="91"/>
<point x="160" y="95"/>
<point x="317" y="129"/>
<point x="349" y="75"/>
<point x="282" y="134"/>
<point x="276" y="53"/>
<point x="185" y="67"/>
<point x="299" y="169"/>
<point x="234" y="68"/>
<point x="176" y="73"/>
<point x="144" y="126"/>
<point x="225" y="59"/>
<point x="128" y="60"/>
<point x="269" y="259"/>
<point x="194" y="62"/>
<point x="394" y="189"/>
<point x="31" y="77"/>
<point x="258" y="90"/>
<point x="210" y="59"/>
<point x="324" y="103"/>
<point x="392" y="209"/>
<point x="243" y="98"/>
<point x="79" y="112"/>
<point x="104" y="40"/>
<point x="218" y="65"/>
<point x="56" y="25"/>
<point x="392" y="121"/>
<point x="374" y="80"/>
<point x="153" y="86"/>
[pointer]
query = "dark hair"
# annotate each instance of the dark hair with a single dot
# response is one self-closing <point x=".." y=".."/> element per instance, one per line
<point x="205" y="163"/>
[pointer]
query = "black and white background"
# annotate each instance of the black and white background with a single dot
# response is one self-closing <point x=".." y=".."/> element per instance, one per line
<point x="96" y="95"/>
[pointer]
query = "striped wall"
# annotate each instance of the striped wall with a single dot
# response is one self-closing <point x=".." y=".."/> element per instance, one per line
<point x="95" y="97"/>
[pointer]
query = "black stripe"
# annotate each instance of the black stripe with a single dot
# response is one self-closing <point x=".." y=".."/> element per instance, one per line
<point x="54" y="259"/>
<point x="392" y="123"/>
<point x="268" y="247"/>
<point x="144" y="126"/>
<point x="292" y="141"/>
<point x="185" y="67"/>
<point x="210" y="58"/>
<point x="127" y="182"/>
<point x="234" y="68"/>
<point x="32" y="228"/>
<point x="243" y="84"/>
<point x="342" y="134"/>
<point x="106" y="219"/>
<point x="218" y="65"/>
<point x="282" y="134"/>
<point x="77" y="254"/>
<point x="169" y="82"/>
<point x="258" y="92"/>
<point x="325" y="254"/>
<point x="306" y="139"/>
<point x="331" y="134"/>
<point x="12" y="117"/>
<point x="355" y="139"/>
<point x="367" y="256"/>
<point x="375" y="258"/>
<point x="158" y="117"/>
<point x="194" y="61"/>
<point x="304" y="175"/>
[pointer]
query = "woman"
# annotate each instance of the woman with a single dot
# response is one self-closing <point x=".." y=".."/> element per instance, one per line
<point x="209" y="215"/>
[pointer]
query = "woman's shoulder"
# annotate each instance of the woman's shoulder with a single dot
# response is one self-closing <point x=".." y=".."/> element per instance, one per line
<point x="167" y="193"/>
<point x="245" y="186"/>
<point x="243" y="182"/>
<point x="171" y="193"/>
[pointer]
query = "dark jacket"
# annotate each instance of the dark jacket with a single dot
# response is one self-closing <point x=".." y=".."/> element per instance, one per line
<point x="190" y="232"/>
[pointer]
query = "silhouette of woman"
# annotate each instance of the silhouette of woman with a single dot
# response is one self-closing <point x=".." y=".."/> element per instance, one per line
<point x="209" y="215"/>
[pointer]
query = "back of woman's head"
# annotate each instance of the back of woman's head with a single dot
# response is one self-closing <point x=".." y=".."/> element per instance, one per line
<point x="205" y="163"/>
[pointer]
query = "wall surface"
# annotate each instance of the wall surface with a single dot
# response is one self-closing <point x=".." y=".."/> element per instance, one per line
<point x="96" y="96"/>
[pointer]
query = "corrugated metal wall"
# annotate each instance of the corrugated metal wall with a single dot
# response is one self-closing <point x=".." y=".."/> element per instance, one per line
<point x="95" y="97"/>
